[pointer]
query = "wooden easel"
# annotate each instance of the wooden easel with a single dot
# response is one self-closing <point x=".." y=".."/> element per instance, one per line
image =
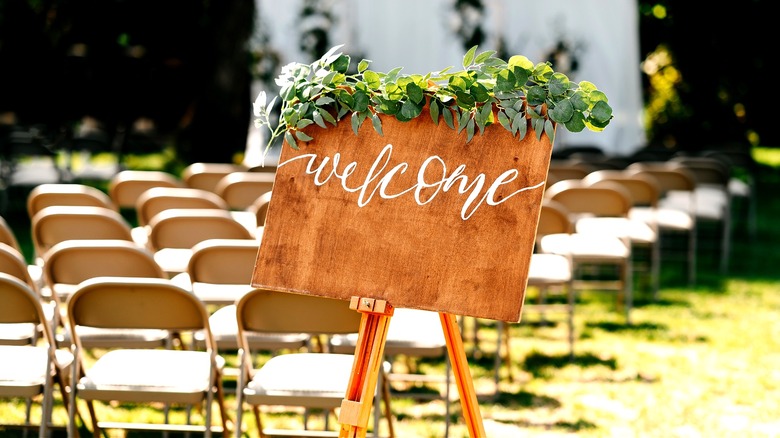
<point x="369" y="356"/>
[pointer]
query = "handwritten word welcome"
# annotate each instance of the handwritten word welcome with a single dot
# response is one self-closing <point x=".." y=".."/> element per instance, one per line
<point x="379" y="178"/>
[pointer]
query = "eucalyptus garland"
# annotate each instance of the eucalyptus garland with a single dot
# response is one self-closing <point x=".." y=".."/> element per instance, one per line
<point x="486" y="91"/>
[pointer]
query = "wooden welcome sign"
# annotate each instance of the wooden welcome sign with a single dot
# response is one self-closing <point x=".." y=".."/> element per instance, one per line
<point x="417" y="217"/>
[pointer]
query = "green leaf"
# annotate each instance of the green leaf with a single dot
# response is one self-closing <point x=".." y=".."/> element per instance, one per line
<point x="372" y="79"/>
<point x="558" y="84"/>
<point x="414" y="92"/>
<point x="447" y="114"/>
<point x="377" y="123"/>
<point x="328" y="117"/>
<point x="536" y="95"/>
<point x="522" y="128"/>
<point x="576" y="123"/>
<point x="517" y="120"/>
<point x="538" y="127"/>
<point x="290" y="139"/>
<point x="328" y="79"/>
<point x="363" y="65"/>
<point x="601" y="112"/>
<point x="434" y="111"/>
<point x="361" y="101"/>
<point x="549" y="129"/>
<point x="303" y="123"/>
<point x="318" y="119"/>
<point x="302" y="136"/>
<point x="504" y="120"/>
<point x="483" y="56"/>
<point x="469" y="130"/>
<point x="387" y="106"/>
<point x="562" y="112"/>
<point x="356" y="122"/>
<point x="464" y="100"/>
<point x="409" y="110"/>
<point x="341" y="64"/>
<point x="468" y="58"/>
<point x="463" y="120"/>
<point x="324" y="100"/>
<point x="479" y="92"/>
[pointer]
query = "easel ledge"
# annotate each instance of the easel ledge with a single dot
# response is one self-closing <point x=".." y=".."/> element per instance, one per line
<point x="369" y="355"/>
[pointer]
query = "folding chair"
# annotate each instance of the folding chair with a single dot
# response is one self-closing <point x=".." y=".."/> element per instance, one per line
<point x="174" y="232"/>
<point x="671" y="179"/>
<point x="644" y="193"/>
<point x="309" y="380"/>
<point x="549" y="274"/>
<point x="713" y="199"/>
<point x="55" y="224"/>
<point x="205" y="176"/>
<point x="593" y="252"/>
<point x="64" y="194"/>
<point x="158" y="199"/>
<point x="12" y="263"/>
<point x="241" y="189"/>
<point x="126" y="187"/>
<point x="8" y="237"/>
<point x="69" y="263"/>
<point x="30" y="371"/>
<point x="171" y="376"/>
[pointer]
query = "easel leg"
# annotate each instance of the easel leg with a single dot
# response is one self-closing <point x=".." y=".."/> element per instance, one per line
<point x="369" y="359"/>
<point x="468" y="397"/>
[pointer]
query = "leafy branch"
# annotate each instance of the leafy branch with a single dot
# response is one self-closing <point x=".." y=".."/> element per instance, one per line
<point x="488" y="89"/>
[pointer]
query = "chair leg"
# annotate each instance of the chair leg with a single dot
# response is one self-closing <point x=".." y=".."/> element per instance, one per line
<point x="258" y="421"/>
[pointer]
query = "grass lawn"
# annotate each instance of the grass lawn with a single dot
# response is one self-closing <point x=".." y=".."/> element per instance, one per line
<point x="699" y="362"/>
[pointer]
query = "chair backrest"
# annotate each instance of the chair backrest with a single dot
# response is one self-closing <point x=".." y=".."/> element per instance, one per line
<point x="223" y="261"/>
<point x="73" y="261"/>
<point x="279" y="312"/>
<point x="185" y="227"/>
<point x="260" y="208"/>
<point x="205" y="176"/>
<point x="580" y="199"/>
<point x="137" y="303"/>
<point x="66" y="194"/>
<point x="668" y="177"/>
<point x="553" y="219"/>
<point x="241" y="189"/>
<point x="643" y="189"/>
<point x="707" y="170"/>
<point x="7" y="235"/>
<point x="567" y="169"/>
<point x="12" y="262"/>
<point x="21" y="304"/>
<point x="55" y="224"/>
<point x="158" y="199"/>
<point x="126" y="187"/>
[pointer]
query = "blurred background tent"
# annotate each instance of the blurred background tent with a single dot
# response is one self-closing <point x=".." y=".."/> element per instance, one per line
<point x="579" y="38"/>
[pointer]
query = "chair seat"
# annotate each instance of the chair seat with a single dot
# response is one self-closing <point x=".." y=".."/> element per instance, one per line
<point x="635" y="230"/>
<point x="710" y="202"/>
<point x="18" y="334"/>
<point x="25" y="375"/>
<point x="586" y="247"/>
<point x="304" y="379"/>
<point x="547" y="269"/>
<point x="170" y="376"/>
<point x="92" y="337"/>
<point x="665" y="218"/>
<point x="224" y="328"/>
<point x="173" y="260"/>
<point x="411" y="331"/>
<point x="211" y="293"/>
